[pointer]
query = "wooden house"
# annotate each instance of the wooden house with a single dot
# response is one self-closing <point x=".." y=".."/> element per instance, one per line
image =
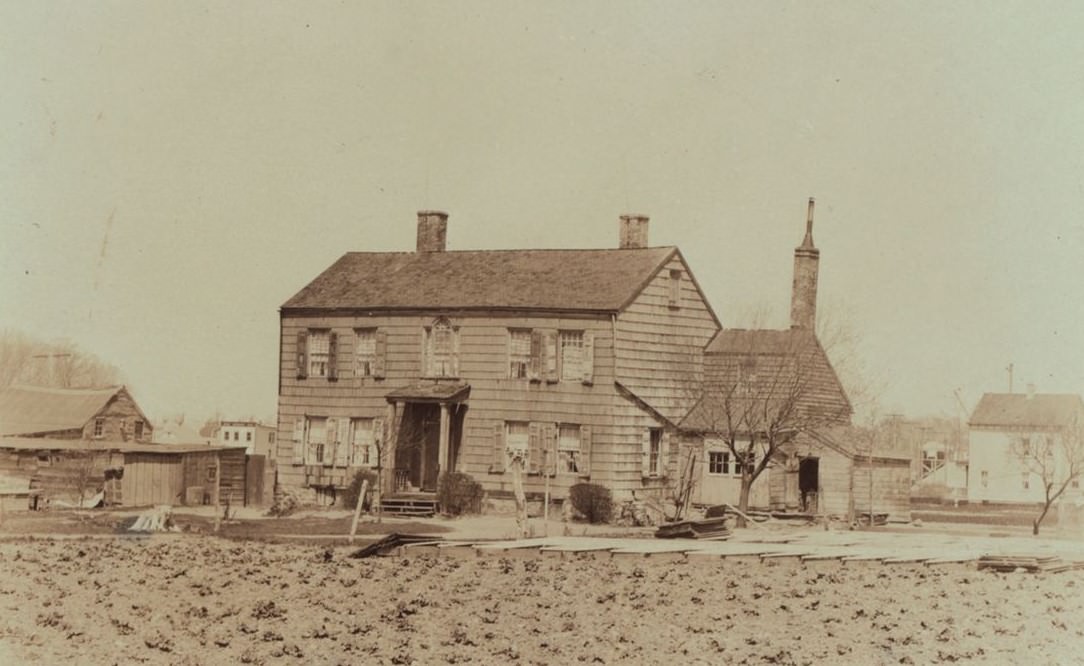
<point x="106" y="414"/>
<point x="436" y="360"/>
<point x="756" y="380"/>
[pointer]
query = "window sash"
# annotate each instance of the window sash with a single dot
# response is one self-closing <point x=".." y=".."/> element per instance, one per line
<point x="519" y="353"/>
<point x="363" y="441"/>
<point x="319" y="353"/>
<point x="654" y="452"/>
<point x="570" y="344"/>
<point x="364" y="352"/>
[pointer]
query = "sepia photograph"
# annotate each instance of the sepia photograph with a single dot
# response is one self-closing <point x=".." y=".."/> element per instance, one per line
<point x="412" y="333"/>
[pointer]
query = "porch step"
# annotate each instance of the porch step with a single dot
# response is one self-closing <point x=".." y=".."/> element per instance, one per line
<point x="409" y="506"/>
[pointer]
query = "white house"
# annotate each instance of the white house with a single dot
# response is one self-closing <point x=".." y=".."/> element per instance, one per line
<point x="1003" y="429"/>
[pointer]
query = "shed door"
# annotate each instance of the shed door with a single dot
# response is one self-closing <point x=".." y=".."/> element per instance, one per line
<point x="152" y="479"/>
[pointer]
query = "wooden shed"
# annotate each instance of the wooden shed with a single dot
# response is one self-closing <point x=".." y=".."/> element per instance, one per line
<point x="127" y="473"/>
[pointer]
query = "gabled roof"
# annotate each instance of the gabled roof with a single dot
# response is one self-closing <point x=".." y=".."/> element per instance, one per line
<point x="767" y="368"/>
<point x="1018" y="410"/>
<point x="553" y="280"/>
<point x="28" y="410"/>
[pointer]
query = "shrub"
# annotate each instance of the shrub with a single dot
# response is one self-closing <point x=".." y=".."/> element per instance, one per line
<point x="349" y="497"/>
<point x="459" y="493"/>
<point x="285" y="503"/>
<point x="592" y="500"/>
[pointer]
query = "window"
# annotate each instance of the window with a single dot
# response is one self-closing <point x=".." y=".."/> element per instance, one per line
<point x="440" y="346"/>
<point x="271" y="437"/>
<point x="317" y="440"/>
<point x="519" y="353"/>
<point x="1026" y="480"/>
<point x="236" y="435"/>
<point x="212" y="473"/>
<point x="319" y="353"/>
<point x="248" y="436"/>
<point x="138" y="427"/>
<point x="1025" y="446"/>
<point x="571" y="344"/>
<point x="985" y="476"/>
<point x="517" y="436"/>
<point x="675" y="289"/>
<point x="363" y="443"/>
<point x="99" y="427"/>
<point x="225" y="435"/>
<point x="748" y="458"/>
<point x="718" y="462"/>
<point x="365" y="353"/>
<point x="654" y="452"/>
<point x="568" y="449"/>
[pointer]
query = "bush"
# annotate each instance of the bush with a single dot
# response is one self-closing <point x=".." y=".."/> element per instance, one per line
<point x="349" y="497"/>
<point x="459" y="493"/>
<point x="285" y="503"/>
<point x="592" y="500"/>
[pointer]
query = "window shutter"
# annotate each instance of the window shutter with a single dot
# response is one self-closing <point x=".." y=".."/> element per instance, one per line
<point x="299" y="442"/>
<point x="426" y="338"/>
<point x="588" y="357"/>
<point x="534" y="372"/>
<point x="376" y="443"/>
<point x="455" y="352"/>
<point x="342" y="443"/>
<point x="302" y="354"/>
<point x="585" y="450"/>
<point x="380" y="360"/>
<point x="551" y="366"/>
<point x="551" y="432"/>
<point x="645" y="449"/>
<point x="496" y="466"/>
<point x="332" y="357"/>
<point x="534" y="447"/>
<point x="664" y="453"/>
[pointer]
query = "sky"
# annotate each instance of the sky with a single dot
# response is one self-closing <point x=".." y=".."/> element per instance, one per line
<point x="172" y="172"/>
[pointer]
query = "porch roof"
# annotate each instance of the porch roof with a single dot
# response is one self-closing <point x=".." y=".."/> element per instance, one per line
<point x="430" y="392"/>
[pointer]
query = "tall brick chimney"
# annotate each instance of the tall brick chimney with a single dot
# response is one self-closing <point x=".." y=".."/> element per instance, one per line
<point x="803" y="296"/>
<point x="633" y="231"/>
<point x="432" y="230"/>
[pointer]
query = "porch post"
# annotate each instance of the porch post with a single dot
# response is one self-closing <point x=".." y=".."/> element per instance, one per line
<point x="387" y="447"/>
<point x="445" y="422"/>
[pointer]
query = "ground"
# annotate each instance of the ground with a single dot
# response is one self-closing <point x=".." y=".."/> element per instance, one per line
<point x="196" y="599"/>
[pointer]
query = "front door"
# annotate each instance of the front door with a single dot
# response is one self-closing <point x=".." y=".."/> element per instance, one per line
<point x="418" y="448"/>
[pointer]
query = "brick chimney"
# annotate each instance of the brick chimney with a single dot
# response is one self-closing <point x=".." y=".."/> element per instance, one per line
<point x="633" y="232"/>
<point x="803" y="297"/>
<point x="432" y="230"/>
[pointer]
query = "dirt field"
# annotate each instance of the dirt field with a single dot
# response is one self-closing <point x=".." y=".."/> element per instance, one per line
<point x="203" y="600"/>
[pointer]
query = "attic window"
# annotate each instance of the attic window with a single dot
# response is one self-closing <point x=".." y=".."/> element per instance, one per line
<point x="675" y="289"/>
<point x="137" y="428"/>
<point x="99" y="427"/>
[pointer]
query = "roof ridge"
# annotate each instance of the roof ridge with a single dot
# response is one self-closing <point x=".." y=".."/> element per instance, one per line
<point x="520" y="249"/>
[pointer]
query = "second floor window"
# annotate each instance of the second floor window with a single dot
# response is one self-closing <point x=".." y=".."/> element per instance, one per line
<point x="519" y="353"/>
<point x="571" y="349"/>
<point x="365" y="352"/>
<point x="319" y="353"/>
<point x="441" y="350"/>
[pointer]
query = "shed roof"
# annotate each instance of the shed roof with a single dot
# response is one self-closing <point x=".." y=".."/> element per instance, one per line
<point x="26" y="410"/>
<point x="1018" y="410"/>
<point x="766" y="367"/>
<point x="559" y="280"/>
<point x="46" y="444"/>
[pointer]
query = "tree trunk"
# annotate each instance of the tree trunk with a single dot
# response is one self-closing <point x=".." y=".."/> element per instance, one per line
<point x="521" y="498"/>
<point x="743" y="497"/>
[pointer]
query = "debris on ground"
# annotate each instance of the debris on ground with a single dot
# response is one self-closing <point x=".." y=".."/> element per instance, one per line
<point x="1026" y="563"/>
<point x="391" y="543"/>
<point x="708" y="528"/>
<point x="160" y="519"/>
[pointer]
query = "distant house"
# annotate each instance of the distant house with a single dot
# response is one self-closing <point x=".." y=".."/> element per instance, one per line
<point x="257" y="438"/>
<point x="171" y="431"/>
<point x="90" y="414"/>
<point x="436" y="360"/>
<point x="1005" y="425"/>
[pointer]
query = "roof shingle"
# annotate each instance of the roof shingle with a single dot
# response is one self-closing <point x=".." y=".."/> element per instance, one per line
<point x="26" y="410"/>
<point x="559" y="280"/>
<point x="1017" y="410"/>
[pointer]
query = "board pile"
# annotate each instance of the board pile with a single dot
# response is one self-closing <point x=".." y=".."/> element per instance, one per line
<point x="709" y="528"/>
<point x="1030" y="564"/>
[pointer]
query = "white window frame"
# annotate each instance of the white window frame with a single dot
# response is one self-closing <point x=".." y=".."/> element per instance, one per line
<point x="320" y="448"/>
<point x="364" y="351"/>
<point x="319" y="352"/>
<point x="444" y="364"/>
<point x="362" y="439"/>
<point x="725" y="467"/>
<point x="519" y="353"/>
<point x="569" y="448"/>
<point x="570" y="349"/>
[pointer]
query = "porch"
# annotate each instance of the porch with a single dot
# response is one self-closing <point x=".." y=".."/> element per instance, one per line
<point x="424" y="439"/>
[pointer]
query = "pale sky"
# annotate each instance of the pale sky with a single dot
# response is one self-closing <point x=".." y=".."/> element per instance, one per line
<point x="172" y="172"/>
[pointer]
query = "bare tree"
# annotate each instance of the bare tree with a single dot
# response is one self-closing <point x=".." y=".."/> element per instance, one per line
<point x="24" y="359"/>
<point x="1056" y="459"/>
<point x="761" y="392"/>
<point x="81" y="472"/>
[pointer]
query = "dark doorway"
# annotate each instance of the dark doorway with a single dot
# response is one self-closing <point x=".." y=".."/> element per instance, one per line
<point x="418" y="448"/>
<point x="809" y="483"/>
